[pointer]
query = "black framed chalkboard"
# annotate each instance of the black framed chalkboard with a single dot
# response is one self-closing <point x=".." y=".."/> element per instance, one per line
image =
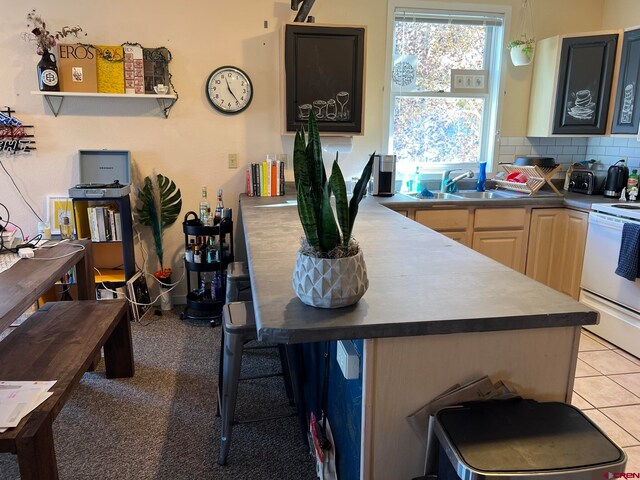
<point x="324" y="72"/>
<point x="626" y="116"/>
<point x="584" y="84"/>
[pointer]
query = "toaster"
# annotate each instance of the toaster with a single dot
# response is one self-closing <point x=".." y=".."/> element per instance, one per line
<point x="586" y="181"/>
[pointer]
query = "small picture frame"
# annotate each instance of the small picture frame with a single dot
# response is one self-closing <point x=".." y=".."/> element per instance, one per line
<point x="59" y="207"/>
<point x="469" y="81"/>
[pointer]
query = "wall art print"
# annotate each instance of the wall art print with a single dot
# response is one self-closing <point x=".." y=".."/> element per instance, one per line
<point x="324" y="73"/>
<point x="626" y="116"/>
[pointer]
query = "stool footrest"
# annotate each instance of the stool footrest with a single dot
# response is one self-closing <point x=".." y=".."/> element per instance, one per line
<point x="266" y="375"/>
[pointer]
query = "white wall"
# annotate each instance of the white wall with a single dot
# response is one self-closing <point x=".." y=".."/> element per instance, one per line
<point x="192" y="145"/>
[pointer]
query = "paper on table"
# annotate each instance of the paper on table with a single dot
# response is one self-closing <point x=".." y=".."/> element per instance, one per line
<point x="19" y="398"/>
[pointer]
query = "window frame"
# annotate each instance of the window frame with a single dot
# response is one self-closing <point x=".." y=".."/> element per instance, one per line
<point x="492" y="119"/>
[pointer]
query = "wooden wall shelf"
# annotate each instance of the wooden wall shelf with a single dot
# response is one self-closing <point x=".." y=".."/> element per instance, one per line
<point x="165" y="102"/>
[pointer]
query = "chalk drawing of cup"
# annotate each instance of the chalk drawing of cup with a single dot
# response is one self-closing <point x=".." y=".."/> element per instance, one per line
<point x="303" y="111"/>
<point x="319" y="108"/>
<point x="332" y="109"/>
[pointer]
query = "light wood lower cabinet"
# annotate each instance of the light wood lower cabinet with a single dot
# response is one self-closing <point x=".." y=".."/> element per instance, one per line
<point x="556" y="248"/>
<point x="501" y="234"/>
<point x="506" y="247"/>
<point x="452" y="222"/>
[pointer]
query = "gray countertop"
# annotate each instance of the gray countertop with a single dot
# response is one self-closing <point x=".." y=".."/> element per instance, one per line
<point x="420" y="282"/>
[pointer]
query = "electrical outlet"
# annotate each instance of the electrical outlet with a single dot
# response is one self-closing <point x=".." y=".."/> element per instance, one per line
<point x="348" y="359"/>
<point x="283" y="157"/>
<point x="233" y="160"/>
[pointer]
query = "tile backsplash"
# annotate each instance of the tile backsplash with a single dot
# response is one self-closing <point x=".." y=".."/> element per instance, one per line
<point x="567" y="150"/>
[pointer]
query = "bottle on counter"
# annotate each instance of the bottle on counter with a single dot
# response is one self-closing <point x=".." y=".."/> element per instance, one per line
<point x="632" y="186"/>
<point x="219" y="207"/>
<point x="205" y="206"/>
<point x="482" y="177"/>
<point x="416" y="181"/>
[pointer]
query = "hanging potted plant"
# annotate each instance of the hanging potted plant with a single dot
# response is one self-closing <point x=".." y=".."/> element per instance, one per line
<point x="330" y="271"/>
<point x="160" y="202"/>
<point x="521" y="51"/>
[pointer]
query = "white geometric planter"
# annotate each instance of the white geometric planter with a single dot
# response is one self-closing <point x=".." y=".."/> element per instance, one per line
<point x="330" y="282"/>
<point x="519" y="57"/>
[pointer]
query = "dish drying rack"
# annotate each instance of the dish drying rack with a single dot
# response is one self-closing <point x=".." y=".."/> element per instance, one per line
<point x="537" y="178"/>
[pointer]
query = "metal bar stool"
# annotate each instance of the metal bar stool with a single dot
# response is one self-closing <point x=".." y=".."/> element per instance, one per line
<point x="239" y="327"/>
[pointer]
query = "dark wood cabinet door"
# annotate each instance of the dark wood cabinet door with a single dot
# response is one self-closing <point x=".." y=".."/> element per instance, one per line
<point x="584" y="84"/>
<point x="626" y="115"/>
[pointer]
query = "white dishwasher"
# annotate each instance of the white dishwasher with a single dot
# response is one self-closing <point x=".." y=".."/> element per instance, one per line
<point x="617" y="299"/>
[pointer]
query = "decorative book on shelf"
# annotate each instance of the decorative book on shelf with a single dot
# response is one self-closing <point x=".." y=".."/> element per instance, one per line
<point x="156" y="68"/>
<point x="133" y="69"/>
<point x="110" y="69"/>
<point x="77" y="68"/>
<point x="265" y="179"/>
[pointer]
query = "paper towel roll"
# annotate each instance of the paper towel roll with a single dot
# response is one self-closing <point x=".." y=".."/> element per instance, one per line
<point x="337" y="144"/>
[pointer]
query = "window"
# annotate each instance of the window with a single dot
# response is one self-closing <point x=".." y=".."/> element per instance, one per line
<point x="445" y="79"/>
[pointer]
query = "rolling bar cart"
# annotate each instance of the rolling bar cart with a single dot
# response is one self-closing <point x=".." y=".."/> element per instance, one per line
<point x="208" y="252"/>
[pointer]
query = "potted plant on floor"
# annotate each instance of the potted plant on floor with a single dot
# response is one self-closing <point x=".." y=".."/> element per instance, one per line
<point x="330" y="271"/>
<point x="160" y="202"/>
<point x="521" y="50"/>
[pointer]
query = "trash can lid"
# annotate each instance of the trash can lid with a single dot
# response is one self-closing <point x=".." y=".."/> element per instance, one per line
<point x="523" y="436"/>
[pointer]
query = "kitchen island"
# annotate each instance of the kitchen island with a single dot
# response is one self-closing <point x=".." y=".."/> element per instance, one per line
<point x="436" y="313"/>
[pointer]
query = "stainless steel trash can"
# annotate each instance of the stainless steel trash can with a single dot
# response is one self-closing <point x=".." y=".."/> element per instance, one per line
<point x="519" y="438"/>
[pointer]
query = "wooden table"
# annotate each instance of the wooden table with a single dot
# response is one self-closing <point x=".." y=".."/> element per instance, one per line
<point x="59" y="342"/>
<point x="23" y="283"/>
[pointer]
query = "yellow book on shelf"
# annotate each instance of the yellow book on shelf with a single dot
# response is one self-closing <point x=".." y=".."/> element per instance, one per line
<point x="110" y="68"/>
<point x="264" y="179"/>
<point x="109" y="275"/>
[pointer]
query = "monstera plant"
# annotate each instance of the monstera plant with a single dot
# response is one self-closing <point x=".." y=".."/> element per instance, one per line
<point x="159" y="205"/>
<point x="330" y="271"/>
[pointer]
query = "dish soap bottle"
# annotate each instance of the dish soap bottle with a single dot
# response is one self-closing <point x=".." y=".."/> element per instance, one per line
<point x="632" y="186"/>
<point x="482" y="177"/>
<point x="416" y="181"/>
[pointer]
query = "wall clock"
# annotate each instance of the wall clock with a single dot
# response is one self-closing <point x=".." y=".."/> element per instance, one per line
<point x="229" y="90"/>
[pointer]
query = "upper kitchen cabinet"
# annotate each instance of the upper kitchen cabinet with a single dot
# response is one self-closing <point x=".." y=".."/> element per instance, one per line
<point x="571" y="85"/>
<point x="626" y="115"/>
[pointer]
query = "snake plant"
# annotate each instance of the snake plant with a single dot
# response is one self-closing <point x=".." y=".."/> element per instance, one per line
<point x="161" y="202"/>
<point x="326" y="236"/>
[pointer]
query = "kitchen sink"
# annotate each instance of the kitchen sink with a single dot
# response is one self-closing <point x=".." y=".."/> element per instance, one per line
<point x="487" y="194"/>
<point x="436" y="196"/>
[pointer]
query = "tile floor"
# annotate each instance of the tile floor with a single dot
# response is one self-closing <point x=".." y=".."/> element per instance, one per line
<point x="607" y="389"/>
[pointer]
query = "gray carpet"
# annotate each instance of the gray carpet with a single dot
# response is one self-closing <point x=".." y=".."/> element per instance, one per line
<point x="161" y="423"/>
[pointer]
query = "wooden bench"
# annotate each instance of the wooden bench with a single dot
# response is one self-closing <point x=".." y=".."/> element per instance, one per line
<point x="59" y="342"/>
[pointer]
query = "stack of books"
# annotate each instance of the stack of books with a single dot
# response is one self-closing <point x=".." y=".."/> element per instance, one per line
<point x="112" y="69"/>
<point x="265" y="179"/>
<point x="104" y="224"/>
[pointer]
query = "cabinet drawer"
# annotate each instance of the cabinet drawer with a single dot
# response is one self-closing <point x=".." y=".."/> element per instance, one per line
<point x="500" y="218"/>
<point x="456" y="219"/>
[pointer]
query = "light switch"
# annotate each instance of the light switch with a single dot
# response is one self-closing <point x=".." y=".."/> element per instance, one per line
<point x="233" y="160"/>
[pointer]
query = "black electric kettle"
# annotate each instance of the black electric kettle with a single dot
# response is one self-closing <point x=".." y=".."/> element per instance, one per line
<point x="617" y="176"/>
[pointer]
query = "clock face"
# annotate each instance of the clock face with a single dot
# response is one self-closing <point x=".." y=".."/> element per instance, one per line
<point x="229" y="90"/>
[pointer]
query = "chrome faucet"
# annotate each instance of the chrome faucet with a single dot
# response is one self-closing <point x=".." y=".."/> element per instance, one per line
<point x="450" y="185"/>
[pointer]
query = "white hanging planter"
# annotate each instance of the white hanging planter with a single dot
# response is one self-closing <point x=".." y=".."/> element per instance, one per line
<point x="522" y="54"/>
<point x="330" y="282"/>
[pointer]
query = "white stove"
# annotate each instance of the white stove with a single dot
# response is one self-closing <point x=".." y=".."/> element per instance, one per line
<point x="626" y="210"/>
<point x="614" y="297"/>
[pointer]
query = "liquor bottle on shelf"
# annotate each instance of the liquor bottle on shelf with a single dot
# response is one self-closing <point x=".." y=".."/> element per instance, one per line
<point x="205" y="207"/>
<point x="219" y="207"/>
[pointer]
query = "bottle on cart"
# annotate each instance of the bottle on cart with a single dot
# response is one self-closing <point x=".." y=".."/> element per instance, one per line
<point x="197" y="254"/>
<point x="188" y="253"/>
<point x="206" y="285"/>
<point x="205" y="206"/>
<point x="219" y="207"/>
<point x="210" y="220"/>
<point x="212" y="251"/>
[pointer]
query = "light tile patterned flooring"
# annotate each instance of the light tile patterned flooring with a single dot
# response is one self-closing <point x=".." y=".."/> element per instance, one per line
<point x="607" y="389"/>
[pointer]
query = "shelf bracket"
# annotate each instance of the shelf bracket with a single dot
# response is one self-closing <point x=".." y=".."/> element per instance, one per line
<point x="53" y="109"/>
<point x="165" y="105"/>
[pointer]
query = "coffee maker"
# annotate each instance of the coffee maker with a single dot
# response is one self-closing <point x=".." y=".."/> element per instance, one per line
<point x="384" y="175"/>
<point x="617" y="176"/>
